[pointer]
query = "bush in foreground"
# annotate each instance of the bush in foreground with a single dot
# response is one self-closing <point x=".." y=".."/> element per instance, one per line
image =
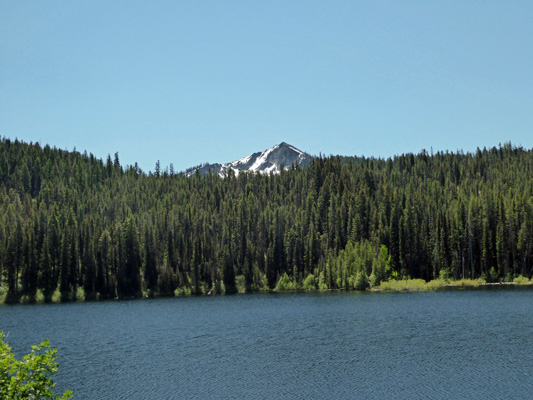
<point x="31" y="377"/>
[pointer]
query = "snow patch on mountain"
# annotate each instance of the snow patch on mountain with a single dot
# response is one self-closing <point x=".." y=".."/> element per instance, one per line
<point x="268" y="161"/>
<point x="262" y="160"/>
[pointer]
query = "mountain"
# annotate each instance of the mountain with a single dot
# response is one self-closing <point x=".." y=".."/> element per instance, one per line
<point x="265" y="162"/>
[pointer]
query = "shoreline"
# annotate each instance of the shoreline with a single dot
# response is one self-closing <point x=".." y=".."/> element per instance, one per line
<point x="421" y="285"/>
<point x="407" y="285"/>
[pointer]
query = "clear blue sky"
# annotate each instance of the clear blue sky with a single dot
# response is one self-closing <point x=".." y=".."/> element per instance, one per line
<point x="186" y="82"/>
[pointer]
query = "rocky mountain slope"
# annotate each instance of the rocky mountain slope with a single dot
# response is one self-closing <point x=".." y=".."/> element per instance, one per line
<point x="265" y="162"/>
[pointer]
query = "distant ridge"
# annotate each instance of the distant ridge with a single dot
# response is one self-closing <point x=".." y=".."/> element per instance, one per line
<point x="264" y="162"/>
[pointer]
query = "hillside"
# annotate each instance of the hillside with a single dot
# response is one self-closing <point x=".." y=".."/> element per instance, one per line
<point x="73" y="226"/>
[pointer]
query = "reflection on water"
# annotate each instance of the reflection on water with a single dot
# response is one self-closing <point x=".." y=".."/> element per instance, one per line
<point x="439" y="345"/>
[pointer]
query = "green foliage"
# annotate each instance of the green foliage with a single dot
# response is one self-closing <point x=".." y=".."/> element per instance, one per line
<point x="420" y="284"/>
<point x="39" y="298"/>
<point x="56" y="296"/>
<point x="73" y="226"/>
<point x="310" y="283"/>
<point x="492" y="276"/>
<point x="445" y="274"/>
<point x="3" y="293"/>
<point x="438" y="283"/>
<point x="372" y="280"/>
<point x="522" y="280"/>
<point x="361" y="281"/>
<point x="80" y="294"/>
<point x="322" y="285"/>
<point x="30" y="377"/>
<point x="468" y="282"/>
<point x="183" y="291"/>
<point x="286" y="283"/>
<point x="361" y="256"/>
<point x="405" y="284"/>
<point x="218" y="288"/>
<point x="240" y="283"/>
<point x="380" y="266"/>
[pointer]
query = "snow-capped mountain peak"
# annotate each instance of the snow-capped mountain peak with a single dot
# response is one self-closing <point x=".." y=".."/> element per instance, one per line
<point x="265" y="162"/>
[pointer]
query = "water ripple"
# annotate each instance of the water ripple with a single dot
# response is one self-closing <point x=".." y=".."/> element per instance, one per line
<point x="442" y="345"/>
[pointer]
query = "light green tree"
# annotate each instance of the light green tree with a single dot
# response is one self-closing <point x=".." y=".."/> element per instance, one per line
<point x="380" y="266"/>
<point x="361" y="281"/>
<point x="30" y="377"/>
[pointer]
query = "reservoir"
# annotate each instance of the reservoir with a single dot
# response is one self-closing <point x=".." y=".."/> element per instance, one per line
<point x="454" y="344"/>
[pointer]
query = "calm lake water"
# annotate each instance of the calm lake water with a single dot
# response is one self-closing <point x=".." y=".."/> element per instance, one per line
<point x="460" y="344"/>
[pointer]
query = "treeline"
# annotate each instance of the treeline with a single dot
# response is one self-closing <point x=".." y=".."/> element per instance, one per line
<point x="71" y="223"/>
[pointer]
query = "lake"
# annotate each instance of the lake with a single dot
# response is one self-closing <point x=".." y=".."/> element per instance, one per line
<point x="455" y="344"/>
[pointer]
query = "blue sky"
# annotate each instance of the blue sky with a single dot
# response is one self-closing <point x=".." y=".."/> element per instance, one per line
<point x="186" y="82"/>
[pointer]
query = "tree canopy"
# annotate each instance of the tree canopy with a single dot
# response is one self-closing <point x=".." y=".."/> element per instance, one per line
<point x="31" y="376"/>
<point x="72" y="225"/>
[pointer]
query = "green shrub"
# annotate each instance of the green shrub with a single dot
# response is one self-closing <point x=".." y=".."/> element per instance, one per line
<point x="380" y="266"/>
<point x="492" y="276"/>
<point x="361" y="281"/>
<point x="39" y="297"/>
<point x="182" y="291"/>
<point x="3" y="292"/>
<point x="438" y="283"/>
<point x="420" y="284"/>
<point x="445" y="274"/>
<point x="240" y="283"/>
<point x="31" y="377"/>
<point x="338" y="282"/>
<point x="286" y="283"/>
<point x="322" y="285"/>
<point x="56" y="297"/>
<point x="469" y="282"/>
<point x="218" y="287"/>
<point x="80" y="294"/>
<point x="310" y="282"/>
<point x="405" y="284"/>
<point x="522" y="280"/>
<point x="373" y="280"/>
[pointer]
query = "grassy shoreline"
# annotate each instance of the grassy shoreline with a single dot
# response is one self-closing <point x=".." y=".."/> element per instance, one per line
<point x="421" y="285"/>
<point x="405" y="285"/>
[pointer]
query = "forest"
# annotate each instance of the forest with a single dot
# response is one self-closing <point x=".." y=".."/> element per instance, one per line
<point x="76" y="227"/>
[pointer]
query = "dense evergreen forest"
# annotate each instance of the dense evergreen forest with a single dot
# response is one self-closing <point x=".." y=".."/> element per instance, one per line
<point x="71" y="223"/>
